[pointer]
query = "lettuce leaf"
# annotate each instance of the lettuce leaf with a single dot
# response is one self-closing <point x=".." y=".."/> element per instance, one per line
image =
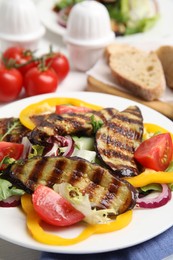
<point x="82" y="203"/>
<point x="7" y="190"/>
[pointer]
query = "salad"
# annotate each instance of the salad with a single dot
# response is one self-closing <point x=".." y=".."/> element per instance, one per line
<point x="127" y="16"/>
<point x="155" y="172"/>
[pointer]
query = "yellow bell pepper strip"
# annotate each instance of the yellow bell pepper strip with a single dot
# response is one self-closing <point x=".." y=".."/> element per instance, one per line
<point x="39" y="234"/>
<point x="152" y="129"/>
<point x="46" y="105"/>
<point x="150" y="176"/>
<point x="121" y="221"/>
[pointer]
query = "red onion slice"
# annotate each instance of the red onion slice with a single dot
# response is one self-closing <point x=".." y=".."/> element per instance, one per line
<point x="12" y="201"/>
<point x="54" y="151"/>
<point x="70" y="146"/>
<point x="27" y="147"/>
<point x="155" y="202"/>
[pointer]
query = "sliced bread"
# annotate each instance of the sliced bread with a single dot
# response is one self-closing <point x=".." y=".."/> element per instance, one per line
<point x="140" y="72"/>
<point x="113" y="48"/>
<point x="165" y="54"/>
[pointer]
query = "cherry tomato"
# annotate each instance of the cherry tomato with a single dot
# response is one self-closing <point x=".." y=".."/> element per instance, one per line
<point x="61" y="109"/>
<point x="21" y="56"/>
<point x="11" y="82"/>
<point x="38" y="81"/>
<point x="12" y="150"/>
<point x="54" y="209"/>
<point x="156" y="152"/>
<point x="60" y="64"/>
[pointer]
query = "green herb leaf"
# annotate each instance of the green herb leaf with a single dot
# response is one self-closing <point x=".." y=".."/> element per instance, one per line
<point x="11" y="127"/>
<point x="96" y="123"/>
<point x="7" y="160"/>
<point x="37" y="150"/>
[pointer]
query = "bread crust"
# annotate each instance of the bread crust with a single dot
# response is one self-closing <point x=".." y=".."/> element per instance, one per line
<point x="114" y="48"/>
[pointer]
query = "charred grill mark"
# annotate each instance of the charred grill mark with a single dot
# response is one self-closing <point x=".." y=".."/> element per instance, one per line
<point x="54" y="117"/>
<point x="75" y="123"/>
<point x="60" y="165"/>
<point x="125" y="131"/>
<point x="116" y="154"/>
<point x="127" y="119"/>
<point x="56" y="174"/>
<point x="113" y="142"/>
<point x="46" y="126"/>
<point x="97" y="176"/>
<point x="77" y="116"/>
<point x="38" y="119"/>
<point x="113" y="187"/>
<point x="103" y="114"/>
<point x="37" y="170"/>
<point x="75" y="177"/>
<point x="78" y="172"/>
<point x="134" y="111"/>
<point x="90" y="189"/>
<point x="81" y="166"/>
<point x="106" y="114"/>
<point x="111" y="112"/>
<point x="107" y="199"/>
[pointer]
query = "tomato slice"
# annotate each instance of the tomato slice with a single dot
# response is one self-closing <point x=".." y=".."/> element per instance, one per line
<point x="12" y="150"/>
<point x="54" y="209"/>
<point x="61" y="109"/>
<point x="156" y="152"/>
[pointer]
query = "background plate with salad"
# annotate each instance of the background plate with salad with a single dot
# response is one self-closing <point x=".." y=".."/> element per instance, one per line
<point x="161" y="27"/>
<point x="146" y="223"/>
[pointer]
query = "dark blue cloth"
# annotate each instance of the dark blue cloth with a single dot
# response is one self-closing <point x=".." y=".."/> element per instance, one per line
<point x="153" y="249"/>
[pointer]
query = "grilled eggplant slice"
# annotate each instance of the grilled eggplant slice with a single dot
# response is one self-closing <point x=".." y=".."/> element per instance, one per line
<point x="117" y="140"/>
<point x="105" y="190"/>
<point x="11" y="130"/>
<point x="68" y="124"/>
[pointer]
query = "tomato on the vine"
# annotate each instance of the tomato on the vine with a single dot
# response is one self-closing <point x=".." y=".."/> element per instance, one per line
<point x="60" y="64"/>
<point x="40" y="81"/>
<point x="23" y="58"/>
<point x="11" y="82"/>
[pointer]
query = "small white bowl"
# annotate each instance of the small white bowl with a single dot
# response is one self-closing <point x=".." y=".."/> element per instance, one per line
<point x="88" y="32"/>
<point x="20" y="24"/>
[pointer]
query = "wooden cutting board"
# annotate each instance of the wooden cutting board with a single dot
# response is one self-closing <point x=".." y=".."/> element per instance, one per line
<point x="96" y="86"/>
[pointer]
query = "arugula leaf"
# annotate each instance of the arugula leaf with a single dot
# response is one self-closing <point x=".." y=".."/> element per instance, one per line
<point x="11" y="127"/>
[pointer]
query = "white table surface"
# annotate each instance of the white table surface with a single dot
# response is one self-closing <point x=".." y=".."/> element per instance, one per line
<point x="10" y="251"/>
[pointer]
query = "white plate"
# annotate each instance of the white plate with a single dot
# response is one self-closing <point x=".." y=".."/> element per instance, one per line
<point x="145" y="224"/>
<point x="161" y="29"/>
